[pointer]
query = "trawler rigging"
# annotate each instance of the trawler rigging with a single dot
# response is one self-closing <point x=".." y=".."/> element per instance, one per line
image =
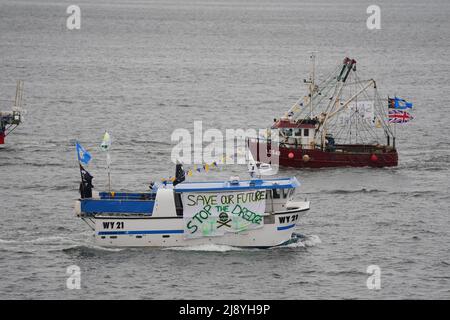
<point x="342" y="121"/>
<point x="10" y="120"/>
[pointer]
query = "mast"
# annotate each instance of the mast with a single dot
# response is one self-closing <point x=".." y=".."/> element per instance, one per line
<point x="312" y="85"/>
<point x="312" y="82"/>
<point x="11" y="119"/>
<point x="347" y="67"/>
<point x="19" y="96"/>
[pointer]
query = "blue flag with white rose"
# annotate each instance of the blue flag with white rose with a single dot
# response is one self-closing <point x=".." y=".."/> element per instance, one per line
<point x="398" y="103"/>
<point x="83" y="155"/>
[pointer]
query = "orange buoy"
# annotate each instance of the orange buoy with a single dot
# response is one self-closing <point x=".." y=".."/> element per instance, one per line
<point x="305" y="158"/>
<point x="290" y="155"/>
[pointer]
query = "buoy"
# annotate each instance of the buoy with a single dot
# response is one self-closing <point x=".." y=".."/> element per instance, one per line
<point x="290" y="155"/>
<point x="305" y="158"/>
<point x="373" y="158"/>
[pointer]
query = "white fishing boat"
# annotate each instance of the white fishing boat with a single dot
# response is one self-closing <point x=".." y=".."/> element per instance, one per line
<point x="244" y="213"/>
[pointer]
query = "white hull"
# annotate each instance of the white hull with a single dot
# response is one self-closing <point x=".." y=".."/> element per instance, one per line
<point x="134" y="231"/>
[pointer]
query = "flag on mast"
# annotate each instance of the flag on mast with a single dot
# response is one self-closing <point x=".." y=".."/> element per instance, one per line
<point x="105" y="146"/>
<point x="398" y="103"/>
<point x="83" y="156"/>
<point x="397" y="116"/>
<point x="106" y="143"/>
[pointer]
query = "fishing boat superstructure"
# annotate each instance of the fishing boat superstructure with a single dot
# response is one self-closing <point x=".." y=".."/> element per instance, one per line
<point x="243" y="213"/>
<point x="9" y="120"/>
<point x="341" y="122"/>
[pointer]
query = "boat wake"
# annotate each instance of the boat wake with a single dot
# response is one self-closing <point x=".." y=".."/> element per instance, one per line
<point x="298" y="241"/>
<point x="362" y="190"/>
<point x="84" y="246"/>
<point x="310" y="240"/>
<point x="52" y="244"/>
<point x="55" y="240"/>
<point x="302" y="241"/>
<point x="206" y="248"/>
<point x="89" y="249"/>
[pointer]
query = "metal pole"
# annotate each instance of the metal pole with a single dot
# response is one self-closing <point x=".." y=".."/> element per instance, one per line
<point x="312" y="83"/>
<point x="108" y="165"/>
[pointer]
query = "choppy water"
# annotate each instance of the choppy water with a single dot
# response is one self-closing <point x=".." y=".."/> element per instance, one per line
<point x="141" y="69"/>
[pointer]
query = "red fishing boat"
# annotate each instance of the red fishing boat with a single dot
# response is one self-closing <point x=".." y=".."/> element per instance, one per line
<point x="9" y="120"/>
<point x="342" y="121"/>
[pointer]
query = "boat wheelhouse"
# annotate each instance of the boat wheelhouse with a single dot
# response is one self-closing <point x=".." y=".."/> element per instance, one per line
<point x="297" y="134"/>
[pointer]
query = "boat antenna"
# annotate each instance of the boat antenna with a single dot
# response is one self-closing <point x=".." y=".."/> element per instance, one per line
<point x="312" y="82"/>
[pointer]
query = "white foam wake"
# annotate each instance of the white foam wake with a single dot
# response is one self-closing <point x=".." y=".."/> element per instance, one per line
<point x="205" y="247"/>
<point x="311" y="240"/>
<point x="8" y="241"/>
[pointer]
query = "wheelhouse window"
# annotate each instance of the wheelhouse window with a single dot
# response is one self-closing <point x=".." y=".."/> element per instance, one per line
<point x="276" y="194"/>
<point x="305" y="132"/>
<point x="291" y="192"/>
<point x="178" y="204"/>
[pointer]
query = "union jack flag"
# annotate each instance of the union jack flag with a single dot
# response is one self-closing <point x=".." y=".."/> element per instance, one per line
<point x="397" y="116"/>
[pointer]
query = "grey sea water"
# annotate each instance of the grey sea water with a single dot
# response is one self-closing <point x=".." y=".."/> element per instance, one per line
<point x="142" y="69"/>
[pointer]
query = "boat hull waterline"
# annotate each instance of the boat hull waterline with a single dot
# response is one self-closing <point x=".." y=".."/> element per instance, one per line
<point x="113" y="231"/>
<point x="316" y="158"/>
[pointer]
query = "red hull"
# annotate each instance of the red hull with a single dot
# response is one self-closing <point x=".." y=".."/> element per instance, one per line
<point x="354" y="156"/>
<point x="2" y="137"/>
